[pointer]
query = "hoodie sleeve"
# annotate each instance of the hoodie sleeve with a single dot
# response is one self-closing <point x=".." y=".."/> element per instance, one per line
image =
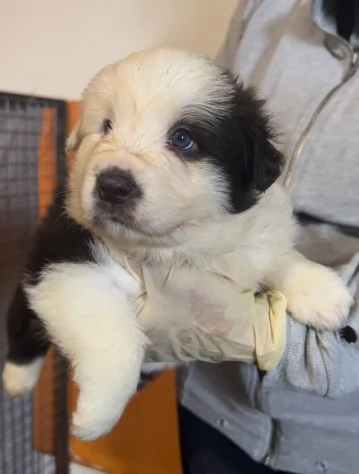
<point x="322" y="363"/>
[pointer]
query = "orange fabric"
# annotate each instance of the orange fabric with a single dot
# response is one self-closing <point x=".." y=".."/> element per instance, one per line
<point x="46" y="158"/>
<point x="44" y="408"/>
<point x="73" y="112"/>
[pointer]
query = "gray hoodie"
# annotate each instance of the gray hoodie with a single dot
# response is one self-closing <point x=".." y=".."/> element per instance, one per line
<point x="303" y="416"/>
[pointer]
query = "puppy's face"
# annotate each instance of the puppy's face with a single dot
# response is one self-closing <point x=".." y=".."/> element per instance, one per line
<point x="167" y="141"/>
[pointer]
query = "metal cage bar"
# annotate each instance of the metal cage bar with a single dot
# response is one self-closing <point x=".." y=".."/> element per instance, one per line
<point x="32" y="164"/>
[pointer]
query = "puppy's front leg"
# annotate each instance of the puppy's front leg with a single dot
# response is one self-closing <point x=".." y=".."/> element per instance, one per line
<point x="89" y="314"/>
<point x="315" y="294"/>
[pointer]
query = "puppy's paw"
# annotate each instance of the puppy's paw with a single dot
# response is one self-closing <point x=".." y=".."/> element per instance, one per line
<point x="87" y="425"/>
<point x="21" y="379"/>
<point x="318" y="297"/>
<point x="95" y="417"/>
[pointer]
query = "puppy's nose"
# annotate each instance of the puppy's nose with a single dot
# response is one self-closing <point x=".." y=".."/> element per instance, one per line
<point x="115" y="185"/>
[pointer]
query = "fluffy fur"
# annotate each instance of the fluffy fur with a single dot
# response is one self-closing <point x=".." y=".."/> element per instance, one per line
<point x="136" y="198"/>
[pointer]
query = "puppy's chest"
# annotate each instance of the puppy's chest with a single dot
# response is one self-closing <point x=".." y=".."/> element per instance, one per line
<point x="187" y="296"/>
<point x="239" y="267"/>
<point x="204" y="293"/>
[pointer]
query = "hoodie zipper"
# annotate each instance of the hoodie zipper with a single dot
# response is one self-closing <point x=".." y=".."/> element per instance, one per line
<point x="350" y="72"/>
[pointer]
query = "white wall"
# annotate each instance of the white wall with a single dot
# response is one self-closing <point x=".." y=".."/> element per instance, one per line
<point x="52" y="48"/>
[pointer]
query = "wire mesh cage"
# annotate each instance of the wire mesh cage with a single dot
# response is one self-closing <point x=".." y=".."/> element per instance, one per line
<point x="33" y="429"/>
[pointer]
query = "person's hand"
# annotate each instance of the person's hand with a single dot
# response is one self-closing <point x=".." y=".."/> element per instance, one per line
<point x="189" y="316"/>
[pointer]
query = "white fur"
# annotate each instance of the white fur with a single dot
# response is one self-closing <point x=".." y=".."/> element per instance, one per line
<point x="144" y="95"/>
<point x="21" y="379"/>
<point x="90" y="310"/>
<point x="315" y="294"/>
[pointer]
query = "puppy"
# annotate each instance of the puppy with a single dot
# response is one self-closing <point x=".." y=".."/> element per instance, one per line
<point x="175" y="167"/>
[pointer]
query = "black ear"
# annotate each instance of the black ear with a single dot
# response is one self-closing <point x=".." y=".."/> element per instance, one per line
<point x="262" y="161"/>
<point x="266" y="163"/>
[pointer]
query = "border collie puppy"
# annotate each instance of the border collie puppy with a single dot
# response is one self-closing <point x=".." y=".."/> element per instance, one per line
<point x="175" y="168"/>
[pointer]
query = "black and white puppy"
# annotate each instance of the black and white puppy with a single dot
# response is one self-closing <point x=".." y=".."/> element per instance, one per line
<point x="175" y="166"/>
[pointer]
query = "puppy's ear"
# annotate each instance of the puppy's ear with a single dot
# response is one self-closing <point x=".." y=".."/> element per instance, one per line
<point x="262" y="161"/>
<point x="266" y="163"/>
<point x="73" y="140"/>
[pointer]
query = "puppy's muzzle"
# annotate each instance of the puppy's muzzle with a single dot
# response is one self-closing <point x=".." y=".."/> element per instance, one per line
<point x="115" y="186"/>
<point x="116" y="196"/>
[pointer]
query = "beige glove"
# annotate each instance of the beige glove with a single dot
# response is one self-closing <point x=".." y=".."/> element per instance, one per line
<point x="192" y="316"/>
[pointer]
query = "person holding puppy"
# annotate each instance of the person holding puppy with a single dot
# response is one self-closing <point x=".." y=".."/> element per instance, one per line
<point x="294" y="384"/>
<point x="303" y="415"/>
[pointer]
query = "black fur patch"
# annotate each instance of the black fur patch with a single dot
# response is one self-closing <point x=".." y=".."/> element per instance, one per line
<point x="239" y="144"/>
<point x="58" y="239"/>
<point x="27" y="337"/>
<point x="146" y="378"/>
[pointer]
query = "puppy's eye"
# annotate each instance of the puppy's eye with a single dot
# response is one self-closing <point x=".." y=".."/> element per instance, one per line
<point x="106" y="126"/>
<point x="182" y="140"/>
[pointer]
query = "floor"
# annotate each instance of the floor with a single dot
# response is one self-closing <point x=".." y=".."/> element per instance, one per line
<point x="74" y="467"/>
<point x="78" y="469"/>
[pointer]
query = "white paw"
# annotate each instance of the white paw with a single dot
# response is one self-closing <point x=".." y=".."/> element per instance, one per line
<point x="93" y="419"/>
<point x="318" y="297"/>
<point x="21" y="379"/>
<point x="87" y="426"/>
